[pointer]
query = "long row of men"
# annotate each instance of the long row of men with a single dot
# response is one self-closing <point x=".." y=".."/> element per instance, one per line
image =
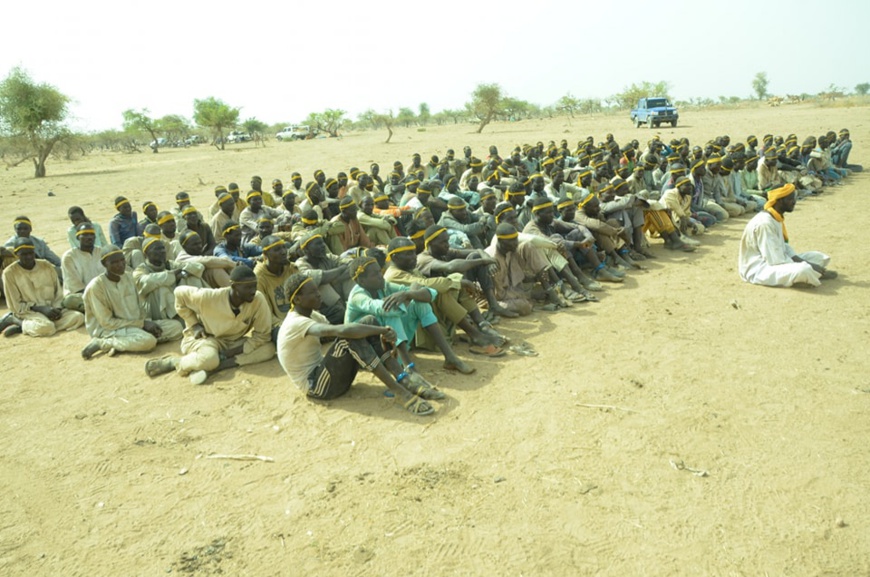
<point x="378" y="266"/>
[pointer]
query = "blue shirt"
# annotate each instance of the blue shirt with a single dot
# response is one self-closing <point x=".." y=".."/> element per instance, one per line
<point x="243" y="254"/>
<point x="121" y="228"/>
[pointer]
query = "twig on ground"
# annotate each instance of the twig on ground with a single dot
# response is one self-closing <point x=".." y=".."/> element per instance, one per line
<point x="242" y="458"/>
<point x="606" y="407"/>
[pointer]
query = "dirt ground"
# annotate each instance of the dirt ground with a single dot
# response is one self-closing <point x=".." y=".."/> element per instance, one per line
<point x="560" y="464"/>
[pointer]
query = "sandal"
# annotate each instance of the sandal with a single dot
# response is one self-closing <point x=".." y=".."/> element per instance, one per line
<point x="417" y="406"/>
<point x="488" y="350"/>
<point x="423" y="388"/>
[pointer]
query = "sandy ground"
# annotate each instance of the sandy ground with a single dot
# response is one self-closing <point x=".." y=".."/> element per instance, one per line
<point x="105" y="472"/>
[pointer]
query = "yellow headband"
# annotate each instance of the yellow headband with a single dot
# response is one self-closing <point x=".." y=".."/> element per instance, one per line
<point x="188" y="210"/>
<point x="418" y="234"/>
<point x="108" y="254"/>
<point x="509" y="236"/>
<point x="22" y="221"/>
<point x="381" y="197"/>
<point x="253" y="193"/>
<point x="231" y="228"/>
<point x="148" y="243"/>
<point x="273" y="245"/>
<point x="400" y="249"/>
<point x="121" y="203"/>
<point x="310" y="188"/>
<point x="309" y="239"/>
<point x="85" y="231"/>
<point x="429" y="238"/>
<point x="502" y="211"/>
<point x="187" y="237"/>
<point x="564" y="203"/>
<point x="412" y="183"/>
<point x="542" y="206"/>
<point x="309" y="220"/>
<point x="182" y="200"/>
<point x="296" y="292"/>
<point x="149" y="235"/>
<point x="22" y="247"/>
<point x="361" y="268"/>
<point x="166" y="218"/>
<point x="147" y="204"/>
<point x="586" y="200"/>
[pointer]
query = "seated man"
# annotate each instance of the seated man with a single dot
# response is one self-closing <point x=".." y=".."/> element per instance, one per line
<point x="80" y="266"/>
<point x="766" y="257"/>
<point x="193" y="221"/>
<point x="34" y="296"/>
<point x="217" y="322"/>
<point x="255" y="210"/>
<point x="114" y="315"/>
<point x="76" y="217"/>
<point x="124" y="224"/>
<point x="23" y="229"/>
<point x="457" y="217"/>
<point x="217" y="268"/>
<point x="380" y="229"/>
<point x="515" y="262"/>
<point x="156" y="279"/>
<point x="272" y="274"/>
<point x="454" y="306"/>
<point x="234" y="249"/>
<point x="400" y="307"/>
<point x="345" y="231"/>
<point x="329" y="274"/>
<point x="357" y="345"/>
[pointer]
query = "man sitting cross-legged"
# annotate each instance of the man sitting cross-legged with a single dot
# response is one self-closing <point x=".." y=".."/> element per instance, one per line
<point x="114" y="315"/>
<point x="34" y="296"/>
<point x="454" y="305"/>
<point x="767" y="258"/>
<point x="364" y="344"/>
<point x="217" y="322"/>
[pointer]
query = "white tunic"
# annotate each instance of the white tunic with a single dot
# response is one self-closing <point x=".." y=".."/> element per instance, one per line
<point x="766" y="259"/>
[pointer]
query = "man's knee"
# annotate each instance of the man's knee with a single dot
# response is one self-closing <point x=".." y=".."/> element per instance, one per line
<point x="38" y="327"/>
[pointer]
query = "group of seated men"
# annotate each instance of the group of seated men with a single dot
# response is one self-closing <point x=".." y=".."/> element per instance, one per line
<point x="378" y="266"/>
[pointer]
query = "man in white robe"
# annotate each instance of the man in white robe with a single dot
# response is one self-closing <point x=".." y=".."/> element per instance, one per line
<point x="766" y="257"/>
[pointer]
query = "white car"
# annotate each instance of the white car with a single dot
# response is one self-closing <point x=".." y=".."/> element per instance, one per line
<point x="295" y="132"/>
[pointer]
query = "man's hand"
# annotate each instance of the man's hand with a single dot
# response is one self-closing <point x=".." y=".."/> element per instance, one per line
<point x="396" y="299"/>
<point x="51" y="313"/>
<point x="153" y="328"/>
<point x="389" y="337"/>
<point x="198" y="331"/>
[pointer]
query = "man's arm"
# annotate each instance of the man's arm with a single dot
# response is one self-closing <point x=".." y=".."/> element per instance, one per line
<point x="348" y="331"/>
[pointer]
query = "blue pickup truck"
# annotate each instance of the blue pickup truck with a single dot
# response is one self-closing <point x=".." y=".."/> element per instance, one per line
<point x="653" y="112"/>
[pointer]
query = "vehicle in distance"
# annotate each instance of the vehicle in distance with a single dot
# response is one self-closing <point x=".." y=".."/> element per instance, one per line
<point x="296" y="132"/>
<point x="654" y="112"/>
<point x="238" y="136"/>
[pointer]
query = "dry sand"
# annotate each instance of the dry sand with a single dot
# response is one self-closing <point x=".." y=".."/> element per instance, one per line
<point x="104" y="471"/>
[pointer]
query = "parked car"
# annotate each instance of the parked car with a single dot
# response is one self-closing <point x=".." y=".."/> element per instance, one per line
<point x="238" y="136"/>
<point x="653" y="112"/>
<point x="296" y="132"/>
<point x="159" y="143"/>
<point x="194" y="139"/>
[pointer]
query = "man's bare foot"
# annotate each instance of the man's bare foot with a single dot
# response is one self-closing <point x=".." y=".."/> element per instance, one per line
<point x="459" y="365"/>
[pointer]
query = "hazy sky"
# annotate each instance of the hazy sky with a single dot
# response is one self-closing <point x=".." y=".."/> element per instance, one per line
<point x="280" y="61"/>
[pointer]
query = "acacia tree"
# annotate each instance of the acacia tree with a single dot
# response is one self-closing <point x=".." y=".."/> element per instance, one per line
<point x="862" y="88"/>
<point x="173" y="127"/>
<point x="486" y="103"/>
<point x="425" y="114"/>
<point x="631" y="94"/>
<point x="569" y="104"/>
<point x="138" y="120"/>
<point x="215" y="115"/>
<point x="32" y="115"/>
<point x="330" y="120"/>
<point x="759" y="85"/>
